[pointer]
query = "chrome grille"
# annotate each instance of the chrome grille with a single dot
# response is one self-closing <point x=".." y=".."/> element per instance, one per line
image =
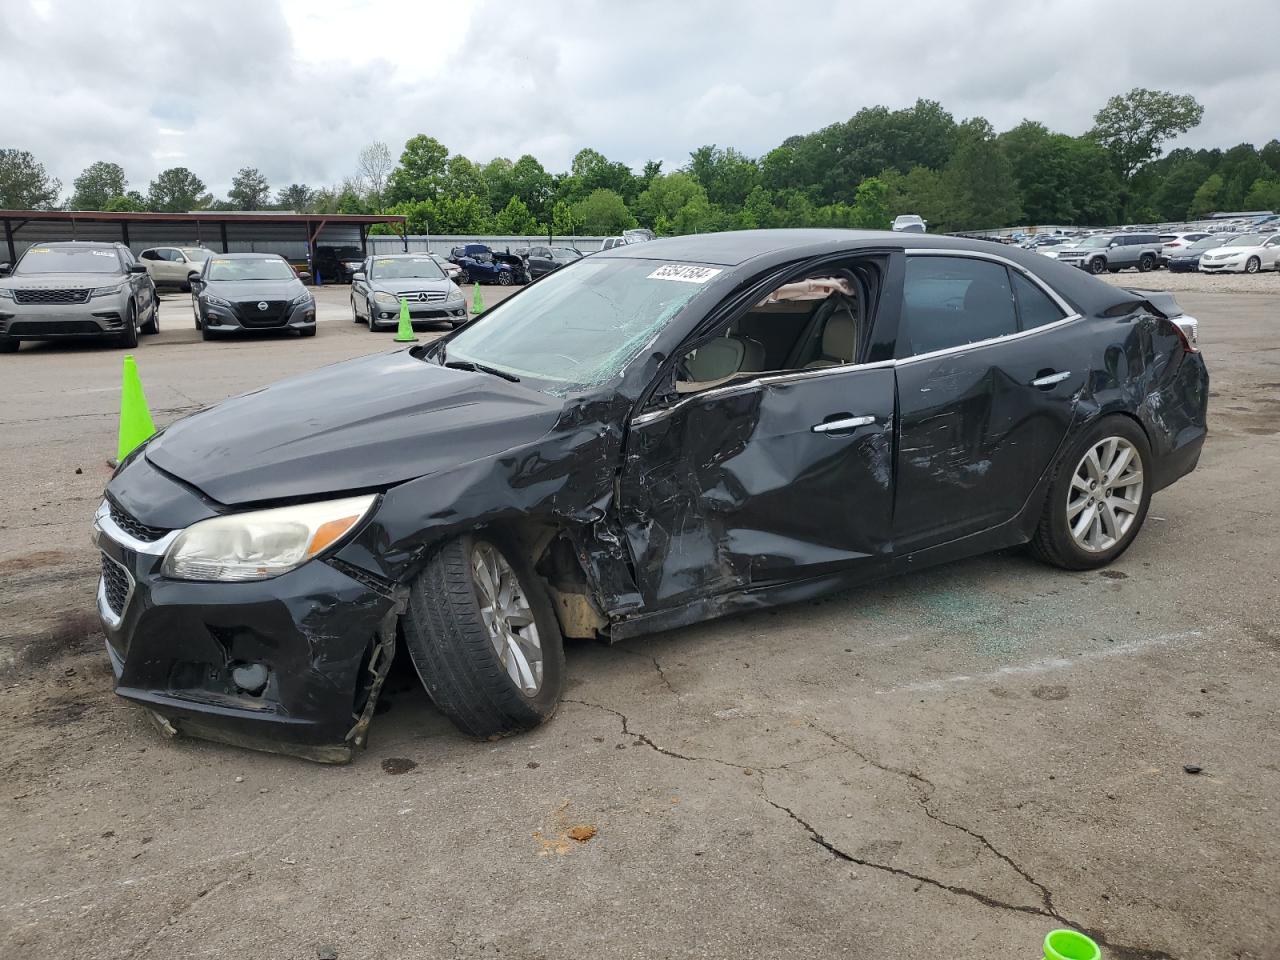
<point x="134" y="527"/>
<point x="423" y="296"/>
<point x="52" y="295"/>
<point x="115" y="585"/>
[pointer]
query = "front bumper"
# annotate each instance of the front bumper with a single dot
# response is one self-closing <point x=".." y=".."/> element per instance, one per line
<point x="454" y="312"/>
<point x="286" y="665"/>
<point x="220" y="319"/>
<point x="100" y="316"/>
<point x="1227" y="266"/>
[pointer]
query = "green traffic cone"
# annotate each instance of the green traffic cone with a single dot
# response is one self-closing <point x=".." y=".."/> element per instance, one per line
<point x="1070" y="945"/>
<point x="477" y="305"/>
<point x="405" y="333"/>
<point x="135" y="418"/>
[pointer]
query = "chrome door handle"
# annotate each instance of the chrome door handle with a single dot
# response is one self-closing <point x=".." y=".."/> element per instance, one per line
<point x="848" y="423"/>
<point x="1050" y="379"/>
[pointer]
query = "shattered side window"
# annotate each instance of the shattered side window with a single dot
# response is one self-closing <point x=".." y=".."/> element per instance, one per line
<point x="582" y="325"/>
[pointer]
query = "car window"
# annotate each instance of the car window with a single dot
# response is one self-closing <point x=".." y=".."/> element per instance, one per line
<point x="951" y="301"/>
<point x="149" y="255"/>
<point x="405" y="268"/>
<point x="580" y="327"/>
<point x="50" y="259"/>
<point x="249" y="268"/>
<point x="1035" y="307"/>
<point x="197" y="254"/>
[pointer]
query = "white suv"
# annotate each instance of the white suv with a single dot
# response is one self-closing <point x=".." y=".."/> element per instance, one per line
<point x="169" y="266"/>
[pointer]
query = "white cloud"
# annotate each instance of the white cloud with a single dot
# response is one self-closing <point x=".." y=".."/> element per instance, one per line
<point x="296" y="87"/>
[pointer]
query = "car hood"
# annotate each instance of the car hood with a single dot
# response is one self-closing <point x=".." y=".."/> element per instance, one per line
<point x="357" y="425"/>
<point x="64" y="281"/>
<point x="1218" y="251"/>
<point x="406" y="285"/>
<point x="247" y="290"/>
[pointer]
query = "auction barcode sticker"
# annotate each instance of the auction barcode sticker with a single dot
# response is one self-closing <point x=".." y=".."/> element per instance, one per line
<point x="683" y="272"/>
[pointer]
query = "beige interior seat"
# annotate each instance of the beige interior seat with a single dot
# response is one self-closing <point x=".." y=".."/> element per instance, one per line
<point x="839" y="341"/>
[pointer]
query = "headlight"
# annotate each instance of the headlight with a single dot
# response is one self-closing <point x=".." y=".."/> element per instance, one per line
<point x="300" y="300"/>
<point x="213" y="301"/>
<point x="262" y="543"/>
<point x="385" y="299"/>
<point x="6" y="293"/>
<point x="108" y="291"/>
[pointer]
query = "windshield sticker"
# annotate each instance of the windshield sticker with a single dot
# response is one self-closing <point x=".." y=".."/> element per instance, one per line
<point x="103" y="253"/>
<point x="41" y="250"/>
<point x="222" y="263"/>
<point x="684" y="273"/>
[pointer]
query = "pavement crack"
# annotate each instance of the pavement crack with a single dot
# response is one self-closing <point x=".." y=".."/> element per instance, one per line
<point x="644" y="738"/>
<point x="656" y="666"/>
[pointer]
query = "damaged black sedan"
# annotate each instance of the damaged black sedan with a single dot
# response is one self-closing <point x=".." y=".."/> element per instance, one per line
<point x="649" y="437"/>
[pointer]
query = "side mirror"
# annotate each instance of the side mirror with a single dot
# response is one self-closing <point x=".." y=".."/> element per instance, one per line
<point x="358" y="275"/>
<point x="5" y="269"/>
<point x="193" y="278"/>
<point x="137" y="268"/>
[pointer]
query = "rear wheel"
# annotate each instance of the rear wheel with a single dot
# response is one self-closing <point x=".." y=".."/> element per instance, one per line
<point x="463" y="277"/>
<point x="152" y="326"/>
<point x="484" y="638"/>
<point x="1099" y="497"/>
<point x="1252" y="265"/>
<point x="1146" y="263"/>
<point x="1097" y="265"/>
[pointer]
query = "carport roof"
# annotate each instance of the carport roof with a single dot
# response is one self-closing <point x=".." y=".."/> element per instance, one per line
<point x="205" y="216"/>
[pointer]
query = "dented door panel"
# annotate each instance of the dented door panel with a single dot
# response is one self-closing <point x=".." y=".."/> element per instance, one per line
<point x="735" y="491"/>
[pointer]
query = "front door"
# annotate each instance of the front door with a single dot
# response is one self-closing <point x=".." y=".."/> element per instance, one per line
<point x="988" y="371"/>
<point x="783" y="478"/>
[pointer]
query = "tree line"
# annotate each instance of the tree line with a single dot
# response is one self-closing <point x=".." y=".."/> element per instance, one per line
<point x="957" y="174"/>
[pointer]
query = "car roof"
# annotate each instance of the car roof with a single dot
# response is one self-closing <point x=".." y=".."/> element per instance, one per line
<point x="247" y="256"/>
<point x="106" y="244"/>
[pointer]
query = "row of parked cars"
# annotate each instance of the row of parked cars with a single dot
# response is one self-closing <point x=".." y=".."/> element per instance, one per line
<point x="1180" y="251"/>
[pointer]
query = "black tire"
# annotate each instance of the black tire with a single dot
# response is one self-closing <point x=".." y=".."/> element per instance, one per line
<point x="1146" y="263"/>
<point x="451" y="649"/>
<point x="1097" y="265"/>
<point x="152" y="326"/>
<point x="463" y="277"/>
<point x="9" y="345"/>
<point x="307" y="331"/>
<point x="129" y="332"/>
<point x="1252" y="265"/>
<point x="1052" y="541"/>
<point x="206" y="333"/>
<point x="355" y="314"/>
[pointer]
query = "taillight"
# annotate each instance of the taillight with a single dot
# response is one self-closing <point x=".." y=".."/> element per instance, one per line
<point x="1188" y="332"/>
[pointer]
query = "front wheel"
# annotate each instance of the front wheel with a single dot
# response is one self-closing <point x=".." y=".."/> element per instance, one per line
<point x="152" y="326"/>
<point x="1099" y="497"/>
<point x="307" y="331"/>
<point x="1252" y="265"/>
<point x="484" y="638"/>
<point x="355" y="314"/>
<point x="1097" y="265"/>
<point x="505" y="279"/>
<point x="129" y="332"/>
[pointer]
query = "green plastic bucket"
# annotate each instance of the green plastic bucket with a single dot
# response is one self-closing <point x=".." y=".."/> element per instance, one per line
<point x="1069" y="945"/>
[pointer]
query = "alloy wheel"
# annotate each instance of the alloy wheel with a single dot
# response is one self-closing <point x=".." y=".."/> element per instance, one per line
<point x="507" y="615"/>
<point x="1252" y="265"/>
<point x="1105" y="494"/>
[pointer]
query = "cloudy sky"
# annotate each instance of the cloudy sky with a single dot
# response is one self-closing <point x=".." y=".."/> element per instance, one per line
<point x="297" y="88"/>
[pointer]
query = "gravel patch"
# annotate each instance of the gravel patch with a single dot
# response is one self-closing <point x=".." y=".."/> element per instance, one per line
<point x="1262" y="284"/>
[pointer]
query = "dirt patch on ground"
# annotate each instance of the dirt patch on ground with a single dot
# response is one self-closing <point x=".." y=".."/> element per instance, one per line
<point x="76" y="632"/>
<point x="41" y="558"/>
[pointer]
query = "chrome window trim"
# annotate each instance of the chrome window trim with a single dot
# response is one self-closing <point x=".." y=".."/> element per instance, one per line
<point x="792" y="375"/>
<point x="103" y="525"/>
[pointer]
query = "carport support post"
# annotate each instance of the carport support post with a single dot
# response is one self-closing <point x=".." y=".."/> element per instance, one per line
<point x="364" y="240"/>
<point x="124" y="232"/>
<point x="8" y="239"/>
<point x="222" y="229"/>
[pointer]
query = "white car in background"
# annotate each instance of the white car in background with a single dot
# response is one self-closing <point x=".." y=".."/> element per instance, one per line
<point x="1173" y="244"/>
<point x="1245" y="254"/>
<point x="170" y="266"/>
<point x="910" y="223"/>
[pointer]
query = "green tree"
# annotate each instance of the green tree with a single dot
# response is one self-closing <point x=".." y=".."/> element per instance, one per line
<point x="531" y="184"/>
<point x="24" y="182"/>
<point x="249" y="190"/>
<point x="658" y="206"/>
<point x="1270" y="154"/>
<point x="515" y="220"/>
<point x="727" y="176"/>
<point x="461" y="177"/>
<point x="870" y="205"/>
<point x="129" y="202"/>
<point x="97" y="184"/>
<point x="1240" y="168"/>
<point x="421" y="171"/>
<point x="1205" y="200"/>
<point x="1134" y="126"/>
<point x="297" y="197"/>
<point x="591" y="171"/>
<point x="980" y="181"/>
<point x="469" y="214"/>
<point x="373" y="167"/>
<point x="1173" y="195"/>
<point x="603" y="212"/>
<point x="1263" y="195"/>
<point x="177" y="190"/>
<point x="562" y="220"/>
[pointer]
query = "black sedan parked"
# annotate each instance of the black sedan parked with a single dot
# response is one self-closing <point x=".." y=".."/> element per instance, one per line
<point x="668" y="432"/>
<point x="1188" y="260"/>
<point x="544" y="259"/>
<point x="249" y="292"/>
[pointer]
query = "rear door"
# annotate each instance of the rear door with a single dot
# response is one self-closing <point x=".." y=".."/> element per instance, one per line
<point x="987" y="370"/>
